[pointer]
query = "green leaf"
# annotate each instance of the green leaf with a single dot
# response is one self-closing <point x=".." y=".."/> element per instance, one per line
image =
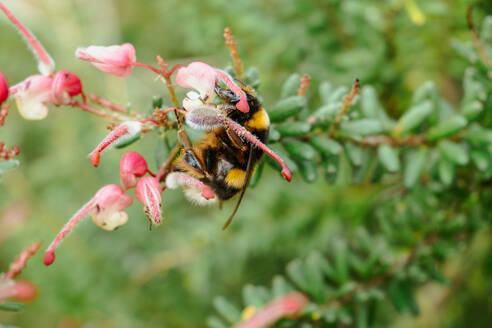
<point x="389" y="158"/>
<point x="227" y="310"/>
<point x="479" y="136"/>
<point x="454" y="152"/>
<point x="299" y="149"/>
<point x="295" y="271"/>
<point x="11" y="306"/>
<point x="481" y="159"/>
<point x="401" y="296"/>
<point x="280" y="287"/>
<point x="286" y="108"/>
<point x="214" y="322"/>
<point x="361" y="315"/>
<point x="157" y="102"/>
<point x="446" y="171"/>
<point x="308" y="170"/>
<point x="325" y="145"/>
<point x="413" y="118"/>
<point x="280" y="152"/>
<point x="326" y="113"/>
<point x="314" y="276"/>
<point x="447" y="128"/>
<point x="325" y="90"/>
<point x="255" y="296"/>
<point x="414" y="165"/>
<point x="256" y="175"/>
<point x="341" y="260"/>
<point x="362" y="127"/>
<point x="293" y="129"/>
<point x="330" y="167"/>
<point x="344" y="174"/>
<point x="355" y="154"/>
<point x="372" y="108"/>
<point x="274" y="135"/>
<point x="291" y="85"/>
<point x="253" y="77"/>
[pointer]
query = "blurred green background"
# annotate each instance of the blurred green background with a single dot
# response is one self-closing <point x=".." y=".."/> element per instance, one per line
<point x="168" y="277"/>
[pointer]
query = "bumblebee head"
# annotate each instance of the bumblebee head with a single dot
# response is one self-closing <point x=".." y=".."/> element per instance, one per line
<point x="229" y="97"/>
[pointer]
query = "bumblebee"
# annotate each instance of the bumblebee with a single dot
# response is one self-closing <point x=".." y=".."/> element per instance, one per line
<point x="224" y="159"/>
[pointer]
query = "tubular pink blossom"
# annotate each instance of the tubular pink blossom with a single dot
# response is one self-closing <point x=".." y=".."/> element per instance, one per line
<point x="132" y="167"/>
<point x="198" y="76"/>
<point x="110" y="202"/>
<point x="65" y="86"/>
<point x="148" y="192"/>
<point x="242" y="105"/>
<point x="120" y="134"/>
<point x="4" y="88"/>
<point x="106" y="208"/>
<point x="176" y="179"/>
<point x="288" y="305"/>
<point x="31" y="96"/>
<point x="46" y="64"/>
<point x="117" y="60"/>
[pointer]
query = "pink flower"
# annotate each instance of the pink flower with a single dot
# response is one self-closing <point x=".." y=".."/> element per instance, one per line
<point x="31" y="96"/>
<point x="65" y="86"/>
<point x="289" y="305"/>
<point x="123" y="133"/>
<point x="4" y="89"/>
<point x="132" y="167"/>
<point x="198" y="76"/>
<point x="107" y="211"/>
<point x="117" y="60"/>
<point x="148" y="192"/>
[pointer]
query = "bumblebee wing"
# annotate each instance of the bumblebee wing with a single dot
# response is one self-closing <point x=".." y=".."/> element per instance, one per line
<point x="249" y="169"/>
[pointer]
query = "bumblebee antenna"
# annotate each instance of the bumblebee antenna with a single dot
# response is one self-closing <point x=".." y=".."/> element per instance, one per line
<point x="249" y="169"/>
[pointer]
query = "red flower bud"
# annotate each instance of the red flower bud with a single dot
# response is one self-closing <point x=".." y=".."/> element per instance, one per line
<point x="132" y="167"/>
<point x="4" y="88"/>
<point x="65" y="86"/>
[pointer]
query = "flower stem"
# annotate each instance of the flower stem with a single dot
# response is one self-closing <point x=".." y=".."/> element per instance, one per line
<point x="36" y="47"/>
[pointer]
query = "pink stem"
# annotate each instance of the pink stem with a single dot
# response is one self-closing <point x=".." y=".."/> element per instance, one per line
<point x="239" y="129"/>
<point x="152" y="174"/>
<point x="153" y="69"/>
<point x="114" y="135"/>
<point x="92" y="110"/>
<point x="288" y="305"/>
<point x="186" y="179"/>
<point x="242" y="105"/>
<point x="35" y="45"/>
<point x="171" y="72"/>
<point x="49" y="255"/>
<point x="149" y="120"/>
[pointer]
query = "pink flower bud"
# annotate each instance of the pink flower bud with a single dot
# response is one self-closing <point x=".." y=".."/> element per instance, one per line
<point x="110" y="201"/>
<point x="148" y="192"/>
<point x="122" y="133"/>
<point x="23" y="291"/>
<point x="289" y="305"/>
<point x="117" y="60"/>
<point x="106" y="209"/>
<point x="132" y="167"/>
<point x="4" y="89"/>
<point x="31" y="96"/>
<point x="198" y="76"/>
<point x="65" y="86"/>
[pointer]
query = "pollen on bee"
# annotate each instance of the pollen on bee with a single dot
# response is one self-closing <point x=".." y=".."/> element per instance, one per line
<point x="259" y="121"/>
<point x="235" y="178"/>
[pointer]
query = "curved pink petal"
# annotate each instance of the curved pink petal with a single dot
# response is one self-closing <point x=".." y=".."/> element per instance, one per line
<point x="132" y="167"/>
<point x="117" y="60"/>
<point x="198" y="76"/>
<point x="148" y="192"/>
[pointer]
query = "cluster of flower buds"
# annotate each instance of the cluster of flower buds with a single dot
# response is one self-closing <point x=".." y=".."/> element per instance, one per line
<point x="107" y="207"/>
<point x="20" y="290"/>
